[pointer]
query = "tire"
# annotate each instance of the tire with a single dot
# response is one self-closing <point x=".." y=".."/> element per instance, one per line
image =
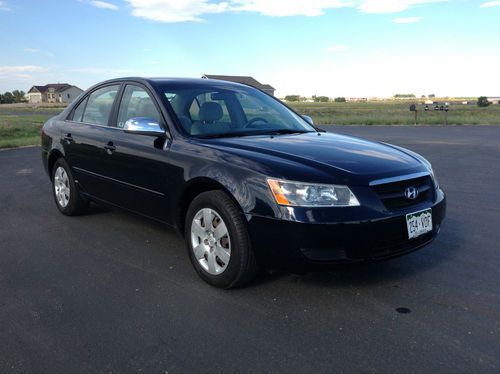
<point x="66" y="195"/>
<point x="222" y="260"/>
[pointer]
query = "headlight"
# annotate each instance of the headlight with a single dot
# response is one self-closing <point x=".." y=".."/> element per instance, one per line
<point x="310" y="194"/>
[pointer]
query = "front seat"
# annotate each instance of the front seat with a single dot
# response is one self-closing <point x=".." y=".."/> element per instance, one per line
<point x="210" y="112"/>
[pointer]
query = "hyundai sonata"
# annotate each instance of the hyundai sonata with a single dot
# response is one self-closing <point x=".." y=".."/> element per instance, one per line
<point x="248" y="182"/>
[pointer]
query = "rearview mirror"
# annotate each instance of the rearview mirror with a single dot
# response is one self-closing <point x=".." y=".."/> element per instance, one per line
<point x="308" y="119"/>
<point x="143" y="126"/>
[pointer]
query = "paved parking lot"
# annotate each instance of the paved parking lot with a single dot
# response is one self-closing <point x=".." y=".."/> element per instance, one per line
<point x="112" y="292"/>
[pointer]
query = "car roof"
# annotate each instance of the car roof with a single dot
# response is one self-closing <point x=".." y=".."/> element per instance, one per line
<point x="155" y="81"/>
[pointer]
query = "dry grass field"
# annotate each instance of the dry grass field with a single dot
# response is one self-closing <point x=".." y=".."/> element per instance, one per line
<point x="20" y="125"/>
<point x="396" y="113"/>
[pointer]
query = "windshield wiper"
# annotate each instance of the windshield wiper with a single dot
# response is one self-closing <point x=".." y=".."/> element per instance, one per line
<point x="283" y="131"/>
<point x="236" y="134"/>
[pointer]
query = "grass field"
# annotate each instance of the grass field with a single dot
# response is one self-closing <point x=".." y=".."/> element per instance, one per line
<point x="21" y="126"/>
<point x="396" y="113"/>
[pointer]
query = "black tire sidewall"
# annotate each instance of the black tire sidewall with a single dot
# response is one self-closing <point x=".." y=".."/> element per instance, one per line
<point x="237" y="233"/>
<point x="73" y="204"/>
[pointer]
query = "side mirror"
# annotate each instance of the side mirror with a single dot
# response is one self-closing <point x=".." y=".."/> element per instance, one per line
<point x="143" y="126"/>
<point x="308" y="119"/>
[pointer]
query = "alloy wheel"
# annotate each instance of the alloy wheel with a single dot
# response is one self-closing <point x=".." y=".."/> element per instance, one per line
<point x="210" y="241"/>
<point x="61" y="186"/>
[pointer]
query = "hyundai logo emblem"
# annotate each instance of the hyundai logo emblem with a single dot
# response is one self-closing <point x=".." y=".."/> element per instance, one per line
<point x="411" y="193"/>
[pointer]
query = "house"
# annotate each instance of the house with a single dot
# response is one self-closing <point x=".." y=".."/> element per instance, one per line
<point x="494" y="100"/>
<point x="53" y="93"/>
<point x="243" y="79"/>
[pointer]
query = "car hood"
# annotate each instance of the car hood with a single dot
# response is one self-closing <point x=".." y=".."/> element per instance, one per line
<point x="350" y="156"/>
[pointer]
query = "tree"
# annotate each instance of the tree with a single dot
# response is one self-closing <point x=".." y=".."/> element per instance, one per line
<point x="8" y="98"/>
<point x="340" y="100"/>
<point x="18" y="96"/>
<point x="321" y="99"/>
<point x="15" y="96"/>
<point x="404" y="96"/>
<point x="292" y="98"/>
<point x="483" y="102"/>
<point x="432" y="96"/>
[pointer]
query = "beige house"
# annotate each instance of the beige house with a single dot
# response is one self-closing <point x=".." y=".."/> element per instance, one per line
<point x="53" y="93"/>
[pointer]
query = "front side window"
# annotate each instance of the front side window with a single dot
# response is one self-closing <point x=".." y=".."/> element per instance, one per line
<point x="100" y="104"/>
<point x="220" y="111"/>
<point x="136" y="102"/>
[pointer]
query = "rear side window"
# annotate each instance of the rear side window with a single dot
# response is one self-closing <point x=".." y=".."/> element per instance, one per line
<point x="78" y="113"/>
<point x="100" y="104"/>
<point x="136" y="102"/>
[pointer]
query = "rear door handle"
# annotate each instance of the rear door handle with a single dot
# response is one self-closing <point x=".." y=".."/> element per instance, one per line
<point x="110" y="147"/>
<point x="68" y="137"/>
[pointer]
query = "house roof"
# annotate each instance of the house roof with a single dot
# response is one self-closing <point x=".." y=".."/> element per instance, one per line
<point x="57" y="87"/>
<point x="240" y="79"/>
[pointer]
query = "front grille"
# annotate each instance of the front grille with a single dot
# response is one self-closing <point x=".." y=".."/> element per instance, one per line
<point x="393" y="196"/>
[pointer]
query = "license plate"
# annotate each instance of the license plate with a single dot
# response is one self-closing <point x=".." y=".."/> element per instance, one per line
<point x="419" y="223"/>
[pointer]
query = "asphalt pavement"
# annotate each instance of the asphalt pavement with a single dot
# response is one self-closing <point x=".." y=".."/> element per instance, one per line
<point x="110" y="292"/>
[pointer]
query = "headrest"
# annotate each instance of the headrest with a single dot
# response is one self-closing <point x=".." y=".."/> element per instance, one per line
<point x="210" y="112"/>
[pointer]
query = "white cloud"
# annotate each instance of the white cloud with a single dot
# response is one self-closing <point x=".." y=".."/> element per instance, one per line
<point x="490" y="4"/>
<point x="407" y="19"/>
<point x="106" y="71"/>
<point x="21" y="69"/>
<point x="103" y="5"/>
<point x="195" y="10"/>
<point x="4" y="7"/>
<point x="175" y="10"/>
<point x="36" y="50"/>
<point x="337" y="48"/>
<point x="391" y="6"/>
<point x="19" y="72"/>
<point x="282" y="8"/>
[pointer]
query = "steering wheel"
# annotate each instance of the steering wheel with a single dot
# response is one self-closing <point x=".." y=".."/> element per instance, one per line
<point x="253" y="120"/>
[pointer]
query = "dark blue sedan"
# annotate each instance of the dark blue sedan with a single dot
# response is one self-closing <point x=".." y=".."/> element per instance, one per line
<point x="244" y="179"/>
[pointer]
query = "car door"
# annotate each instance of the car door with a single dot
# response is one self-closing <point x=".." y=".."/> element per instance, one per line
<point x="84" y="137"/>
<point x="137" y="164"/>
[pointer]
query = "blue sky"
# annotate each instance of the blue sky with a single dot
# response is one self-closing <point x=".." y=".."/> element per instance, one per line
<point x="326" y="47"/>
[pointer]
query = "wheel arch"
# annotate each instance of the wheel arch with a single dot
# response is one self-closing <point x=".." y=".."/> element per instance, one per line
<point x="54" y="155"/>
<point x="192" y="189"/>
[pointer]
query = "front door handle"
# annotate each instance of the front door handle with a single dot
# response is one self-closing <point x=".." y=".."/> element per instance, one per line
<point x="110" y="147"/>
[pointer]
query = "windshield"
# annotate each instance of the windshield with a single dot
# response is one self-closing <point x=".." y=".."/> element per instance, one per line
<point x="220" y="110"/>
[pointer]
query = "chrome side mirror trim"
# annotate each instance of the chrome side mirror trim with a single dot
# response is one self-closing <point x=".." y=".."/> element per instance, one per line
<point x="143" y="126"/>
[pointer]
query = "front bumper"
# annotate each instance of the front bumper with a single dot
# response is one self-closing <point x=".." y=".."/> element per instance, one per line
<point x="381" y="236"/>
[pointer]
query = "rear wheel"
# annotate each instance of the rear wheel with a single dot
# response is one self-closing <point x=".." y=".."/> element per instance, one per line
<point x="66" y="195"/>
<point x="217" y="241"/>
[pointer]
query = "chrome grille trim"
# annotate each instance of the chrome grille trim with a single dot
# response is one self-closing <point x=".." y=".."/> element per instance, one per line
<point x="399" y="178"/>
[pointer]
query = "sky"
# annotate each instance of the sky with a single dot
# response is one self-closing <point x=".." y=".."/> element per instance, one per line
<point x="337" y="48"/>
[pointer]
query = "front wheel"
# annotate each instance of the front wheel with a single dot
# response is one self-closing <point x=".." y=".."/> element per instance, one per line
<point x="218" y="242"/>
<point x="66" y="195"/>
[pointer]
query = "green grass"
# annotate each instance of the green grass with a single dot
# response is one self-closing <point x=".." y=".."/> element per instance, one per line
<point x="18" y="131"/>
<point x="395" y="113"/>
<point x="20" y="126"/>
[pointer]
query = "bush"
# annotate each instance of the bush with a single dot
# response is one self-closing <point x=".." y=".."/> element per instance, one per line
<point x="292" y="98"/>
<point x="340" y="100"/>
<point x="321" y="99"/>
<point x="483" y="102"/>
